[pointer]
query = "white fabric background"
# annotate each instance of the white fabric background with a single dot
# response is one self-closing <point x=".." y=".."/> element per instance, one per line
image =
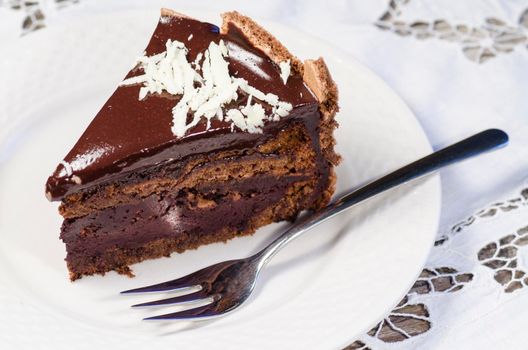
<point x="452" y="96"/>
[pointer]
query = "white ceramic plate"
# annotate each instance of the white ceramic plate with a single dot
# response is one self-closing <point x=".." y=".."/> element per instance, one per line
<point x="319" y="293"/>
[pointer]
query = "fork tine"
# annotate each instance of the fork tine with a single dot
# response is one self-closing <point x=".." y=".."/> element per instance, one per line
<point x="200" y="313"/>
<point x="189" y="281"/>
<point x="178" y="284"/>
<point x="181" y="299"/>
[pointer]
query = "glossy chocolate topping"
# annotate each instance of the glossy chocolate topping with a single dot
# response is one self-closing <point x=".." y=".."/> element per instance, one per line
<point x="129" y="134"/>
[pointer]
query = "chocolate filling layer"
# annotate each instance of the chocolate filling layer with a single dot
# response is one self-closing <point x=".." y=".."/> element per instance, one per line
<point x="174" y="215"/>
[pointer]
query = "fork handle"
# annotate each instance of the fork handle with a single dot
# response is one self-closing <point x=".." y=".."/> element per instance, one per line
<point x="479" y="143"/>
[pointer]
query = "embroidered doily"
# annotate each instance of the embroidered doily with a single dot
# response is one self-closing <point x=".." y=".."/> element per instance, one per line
<point x="481" y="41"/>
<point x="473" y="272"/>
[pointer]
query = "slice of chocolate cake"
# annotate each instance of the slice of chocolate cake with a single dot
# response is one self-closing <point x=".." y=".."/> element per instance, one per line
<point x="213" y="134"/>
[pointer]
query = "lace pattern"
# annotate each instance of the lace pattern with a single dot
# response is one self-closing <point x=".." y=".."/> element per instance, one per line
<point x="34" y="12"/>
<point x="479" y="44"/>
<point x="494" y="267"/>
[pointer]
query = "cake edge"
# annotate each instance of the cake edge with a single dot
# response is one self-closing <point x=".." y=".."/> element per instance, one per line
<point x="316" y="76"/>
<point x="315" y="73"/>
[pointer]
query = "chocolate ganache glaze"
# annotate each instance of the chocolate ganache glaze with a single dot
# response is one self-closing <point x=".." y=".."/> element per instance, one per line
<point x="130" y="134"/>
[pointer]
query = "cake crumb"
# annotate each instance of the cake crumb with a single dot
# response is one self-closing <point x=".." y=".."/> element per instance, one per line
<point x="203" y="203"/>
<point x="125" y="270"/>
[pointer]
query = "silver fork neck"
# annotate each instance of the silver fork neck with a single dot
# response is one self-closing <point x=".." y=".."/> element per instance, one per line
<point x="484" y="141"/>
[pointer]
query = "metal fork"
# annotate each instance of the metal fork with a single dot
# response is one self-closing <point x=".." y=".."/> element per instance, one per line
<point x="225" y="286"/>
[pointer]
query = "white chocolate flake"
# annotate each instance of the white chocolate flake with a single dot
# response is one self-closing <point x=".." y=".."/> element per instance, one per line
<point x="285" y="70"/>
<point x="196" y="62"/>
<point x="165" y="19"/>
<point x="205" y="87"/>
<point x="255" y="116"/>
<point x="283" y="109"/>
<point x="67" y="167"/>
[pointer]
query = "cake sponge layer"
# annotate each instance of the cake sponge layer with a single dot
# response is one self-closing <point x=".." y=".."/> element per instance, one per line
<point x="114" y="238"/>
<point x="291" y="152"/>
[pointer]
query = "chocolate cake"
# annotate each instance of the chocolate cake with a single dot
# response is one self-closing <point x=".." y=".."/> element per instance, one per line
<point x="214" y="133"/>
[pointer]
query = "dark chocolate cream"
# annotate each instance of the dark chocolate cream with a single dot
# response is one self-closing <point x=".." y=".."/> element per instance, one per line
<point x="128" y="134"/>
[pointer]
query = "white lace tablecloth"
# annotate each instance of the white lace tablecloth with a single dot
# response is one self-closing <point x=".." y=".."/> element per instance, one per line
<point x="462" y="66"/>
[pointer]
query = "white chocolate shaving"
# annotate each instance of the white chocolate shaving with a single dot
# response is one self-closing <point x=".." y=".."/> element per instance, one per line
<point x="165" y="19"/>
<point x="67" y="168"/>
<point x="285" y="70"/>
<point x="205" y="87"/>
